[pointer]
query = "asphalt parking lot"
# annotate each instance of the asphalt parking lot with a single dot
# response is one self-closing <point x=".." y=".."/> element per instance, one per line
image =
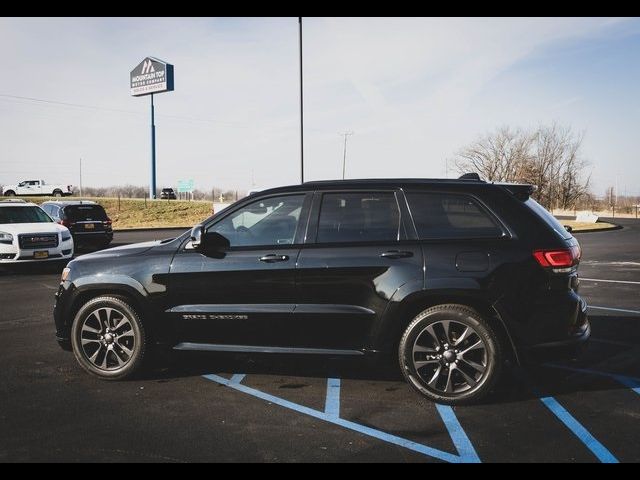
<point x="266" y="408"/>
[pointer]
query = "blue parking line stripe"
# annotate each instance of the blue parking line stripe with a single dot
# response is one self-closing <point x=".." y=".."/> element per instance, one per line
<point x="599" y="450"/>
<point x="457" y="433"/>
<point x="332" y="403"/>
<point x="463" y="457"/>
<point x="630" y="382"/>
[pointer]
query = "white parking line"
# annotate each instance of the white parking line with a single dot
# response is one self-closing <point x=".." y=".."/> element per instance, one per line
<point x="608" y="281"/>
<point x="615" y="309"/>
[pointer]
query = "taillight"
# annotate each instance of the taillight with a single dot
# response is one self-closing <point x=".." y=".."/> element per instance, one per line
<point x="107" y="221"/>
<point x="560" y="258"/>
<point x="65" y="223"/>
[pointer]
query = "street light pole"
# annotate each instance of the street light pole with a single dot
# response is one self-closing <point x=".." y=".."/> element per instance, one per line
<point x="80" y="176"/>
<point x="301" y="104"/>
<point x="344" y="156"/>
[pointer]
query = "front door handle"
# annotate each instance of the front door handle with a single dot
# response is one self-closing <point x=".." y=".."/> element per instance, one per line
<point x="274" y="258"/>
<point x="396" y="254"/>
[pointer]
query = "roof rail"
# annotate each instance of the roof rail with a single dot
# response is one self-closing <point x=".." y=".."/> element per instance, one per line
<point x="470" y="176"/>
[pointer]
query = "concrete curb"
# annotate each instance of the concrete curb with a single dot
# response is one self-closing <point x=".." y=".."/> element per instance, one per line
<point x="595" y="230"/>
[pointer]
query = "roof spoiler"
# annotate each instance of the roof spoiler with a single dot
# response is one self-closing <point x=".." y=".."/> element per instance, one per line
<point x="470" y="176"/>
<point x="522" y="191"/>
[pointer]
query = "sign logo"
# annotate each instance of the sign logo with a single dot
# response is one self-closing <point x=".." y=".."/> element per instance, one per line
<point x="151" y="76"/>
<point x="147" y="67"/>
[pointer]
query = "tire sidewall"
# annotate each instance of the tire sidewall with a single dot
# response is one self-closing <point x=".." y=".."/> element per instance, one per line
<point x="467" y="317"/>
<point x="140" y="338"/>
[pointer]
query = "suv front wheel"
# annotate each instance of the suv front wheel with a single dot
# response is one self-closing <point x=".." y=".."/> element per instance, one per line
<point x="450" y="354"/>
<point x="108" y="338"/>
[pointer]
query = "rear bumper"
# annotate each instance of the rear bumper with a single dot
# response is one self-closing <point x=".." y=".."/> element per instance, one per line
<point x="568" y="345"/>
<point x="92" y="237"/>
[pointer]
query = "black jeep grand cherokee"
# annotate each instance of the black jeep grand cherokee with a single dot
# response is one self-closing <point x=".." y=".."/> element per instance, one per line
<point x="452" y="276"/>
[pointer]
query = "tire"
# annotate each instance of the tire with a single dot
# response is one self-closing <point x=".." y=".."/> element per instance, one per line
<point x="57" y="193"/>
<point x="9" y="193"/>
<point x="113" y="354"/>
<point x="457" y="368"/>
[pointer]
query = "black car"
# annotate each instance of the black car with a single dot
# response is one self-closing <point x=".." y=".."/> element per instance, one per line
<point x="168" y="194"/>
<point x="87" y="221"/>
<point x="452" y="277"/>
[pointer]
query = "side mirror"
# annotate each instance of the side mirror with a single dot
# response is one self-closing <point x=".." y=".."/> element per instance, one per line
<point x="211" y="241"/>
<point x="197" y="233"/>
<point x="568" y="228"/>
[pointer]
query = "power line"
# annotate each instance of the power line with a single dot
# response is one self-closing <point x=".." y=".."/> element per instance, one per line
<point x="118" y="110"/>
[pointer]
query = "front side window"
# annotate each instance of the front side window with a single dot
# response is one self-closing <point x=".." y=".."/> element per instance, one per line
<point x="23" y="215"/>
<point x="359" y="217"/>
<point x="270" y="221"/>
<point x="444" y="215"/>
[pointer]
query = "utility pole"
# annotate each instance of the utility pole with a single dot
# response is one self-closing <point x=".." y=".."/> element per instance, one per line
<point x="301" y="104"/>
<point x="344" y="155"/>
<point x="80" y="176"/>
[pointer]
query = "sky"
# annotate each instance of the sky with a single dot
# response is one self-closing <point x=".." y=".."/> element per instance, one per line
<point x="413" y="91"/>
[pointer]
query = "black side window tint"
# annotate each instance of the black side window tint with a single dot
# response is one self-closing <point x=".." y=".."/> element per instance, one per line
<point x="441" y="215"/>
<point x="358" y="217"/>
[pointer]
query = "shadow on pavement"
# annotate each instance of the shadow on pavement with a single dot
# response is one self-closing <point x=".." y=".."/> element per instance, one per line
<point x="519" y="383"/>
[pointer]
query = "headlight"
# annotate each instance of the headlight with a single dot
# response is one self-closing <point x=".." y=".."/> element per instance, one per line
<point x="65" y="274"/>
<point x="66" y="236"/>
<point x="6" y="238"/>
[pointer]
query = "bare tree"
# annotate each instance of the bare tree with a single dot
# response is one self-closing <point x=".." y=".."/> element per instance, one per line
<point x="548" y="157"/>
<point x="496" y="157"/>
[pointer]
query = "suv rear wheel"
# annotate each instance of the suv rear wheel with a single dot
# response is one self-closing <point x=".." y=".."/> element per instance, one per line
<point x="108" y="338"/>
<point x="450" y="354"/>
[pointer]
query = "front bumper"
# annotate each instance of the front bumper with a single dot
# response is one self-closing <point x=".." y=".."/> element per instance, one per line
<point x="60" y="308"/>
<point x="13" y="254"/>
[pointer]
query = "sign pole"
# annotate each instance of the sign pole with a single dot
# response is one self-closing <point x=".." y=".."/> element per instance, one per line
<point x="152" y="188"/>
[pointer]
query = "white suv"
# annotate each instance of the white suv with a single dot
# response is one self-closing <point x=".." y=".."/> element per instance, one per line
<point x="28" y="234"/>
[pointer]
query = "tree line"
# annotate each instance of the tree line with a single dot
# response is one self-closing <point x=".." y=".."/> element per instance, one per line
<point x="137" y="191"/>
<point x="548" y="157"/>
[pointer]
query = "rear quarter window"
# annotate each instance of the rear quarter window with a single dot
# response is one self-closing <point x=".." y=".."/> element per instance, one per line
<point x="444" y="215"/>
<point x="547" y="218"/>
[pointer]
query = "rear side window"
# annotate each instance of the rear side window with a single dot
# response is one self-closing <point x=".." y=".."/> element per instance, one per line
<point x="443" y="215"/>
<point x="359" y="217"/>
<point x="83" y="213"/>
<point x="547" y="218"/>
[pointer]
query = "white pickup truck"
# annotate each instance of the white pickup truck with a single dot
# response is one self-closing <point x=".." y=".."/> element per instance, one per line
<point x="37" y="187"/>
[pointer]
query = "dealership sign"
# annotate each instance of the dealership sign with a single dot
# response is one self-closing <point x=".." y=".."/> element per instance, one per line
<point x="151" y="76"/>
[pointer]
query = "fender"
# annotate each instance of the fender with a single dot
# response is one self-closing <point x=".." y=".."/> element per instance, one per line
<point x="107" y="283"/>
<point x="411" y="298"/>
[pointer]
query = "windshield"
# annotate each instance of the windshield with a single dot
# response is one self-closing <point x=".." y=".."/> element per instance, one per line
<point x="549" y="219"/>
<point x="23" y="215"/>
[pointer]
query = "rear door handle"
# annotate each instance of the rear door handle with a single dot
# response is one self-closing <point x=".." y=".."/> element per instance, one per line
<point x="274" y="258"/>
<point x="396" y="254"/>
